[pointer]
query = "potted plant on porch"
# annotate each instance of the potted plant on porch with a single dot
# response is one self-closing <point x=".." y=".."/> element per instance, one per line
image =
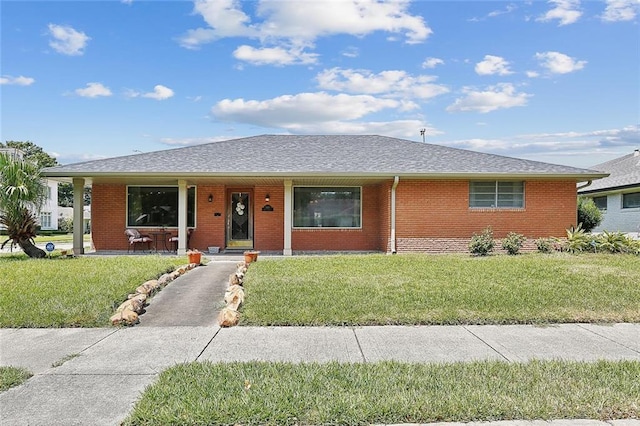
<point x="251" y="256"/>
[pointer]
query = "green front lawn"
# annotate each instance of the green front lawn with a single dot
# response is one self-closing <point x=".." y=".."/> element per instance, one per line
<point x="388" y="392"/>
<point x="78" y="292"/>
<point x="446" y="289"/>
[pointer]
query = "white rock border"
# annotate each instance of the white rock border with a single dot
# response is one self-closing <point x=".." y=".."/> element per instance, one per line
<point x="233" y="297"/>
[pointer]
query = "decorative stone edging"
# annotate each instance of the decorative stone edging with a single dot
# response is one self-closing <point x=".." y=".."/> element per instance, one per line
<point x="234" y="297"/>
<point x="129" y="311"/>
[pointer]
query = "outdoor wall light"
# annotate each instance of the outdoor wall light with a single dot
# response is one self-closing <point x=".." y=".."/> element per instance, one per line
<point x="267" y="198"/>
<point x="210" y="198"/>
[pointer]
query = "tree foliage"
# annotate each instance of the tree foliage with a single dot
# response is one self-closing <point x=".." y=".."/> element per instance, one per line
<point x="22" y="193"/>
<point x="589" y="215"/>
<point x="32" y="152"/>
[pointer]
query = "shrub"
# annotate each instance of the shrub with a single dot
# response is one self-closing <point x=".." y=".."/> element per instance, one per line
<point x="65" y="224"/>
<point x="544" y="245"/>
<point x="617" y="242"/>
<point x="578" y="240"/>
<point x="482" y="245"/>
<point x="589" y="215"/>
<point x="512" y="243"/>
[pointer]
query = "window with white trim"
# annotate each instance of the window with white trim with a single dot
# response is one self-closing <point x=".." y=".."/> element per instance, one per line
<point x="152" y="206"/>
<point x="45" y="220"/>
<point x="631" y="200"/>
<point x="327" y="207"/>
<point x="496" y="194"/>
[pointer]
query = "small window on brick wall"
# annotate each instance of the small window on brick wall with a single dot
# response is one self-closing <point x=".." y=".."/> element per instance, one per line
<point x="496" y="194"/>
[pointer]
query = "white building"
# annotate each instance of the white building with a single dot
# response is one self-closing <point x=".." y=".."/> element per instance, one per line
<point x="618" y="196"/>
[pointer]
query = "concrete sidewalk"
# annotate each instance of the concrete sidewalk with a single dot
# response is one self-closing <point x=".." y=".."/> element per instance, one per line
<point x="107" y="369"/>
<point x="100" y="373"/>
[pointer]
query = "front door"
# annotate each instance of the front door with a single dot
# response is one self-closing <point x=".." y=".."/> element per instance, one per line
<point x="239" y="220"/>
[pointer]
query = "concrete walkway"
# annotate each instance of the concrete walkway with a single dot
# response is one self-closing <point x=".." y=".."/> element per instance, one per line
<point x="101" y="372"/>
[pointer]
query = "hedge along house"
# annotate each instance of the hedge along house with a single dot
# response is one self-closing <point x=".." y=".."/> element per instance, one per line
<point x="291" y="194"/>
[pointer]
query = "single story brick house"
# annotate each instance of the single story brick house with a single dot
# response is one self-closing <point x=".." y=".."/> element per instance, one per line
<point x="291" y="194"/>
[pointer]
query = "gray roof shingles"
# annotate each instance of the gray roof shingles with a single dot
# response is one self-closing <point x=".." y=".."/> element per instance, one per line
<point x="623" y="172"/>
<point x="322" y="155"/>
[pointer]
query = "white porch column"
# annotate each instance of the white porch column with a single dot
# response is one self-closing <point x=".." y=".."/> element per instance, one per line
<point x="288" y="212"/>
<point x="182" y="217"/>
<point x="78" y="216"/>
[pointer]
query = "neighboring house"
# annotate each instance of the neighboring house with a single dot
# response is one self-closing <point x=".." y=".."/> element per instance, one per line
<point x="617" y="196"/>
<point x="67" y="213"/>
<point x="48" y="214"/>
<point x="293" y="194"/>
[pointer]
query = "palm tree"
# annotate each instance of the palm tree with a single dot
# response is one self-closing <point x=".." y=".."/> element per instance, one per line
<point x="22" y="193"/>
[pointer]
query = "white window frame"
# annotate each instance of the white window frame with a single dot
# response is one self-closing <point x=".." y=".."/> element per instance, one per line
<point x="497" y="194"/>
<point x="293" y="204"/>
<point x="45" y="220"/>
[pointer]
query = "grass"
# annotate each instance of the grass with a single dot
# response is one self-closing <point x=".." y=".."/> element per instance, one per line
<point x="77" y="292"/>
<point x="388" y="392"/>
<point x="59" y="238"/>
<point x="12" y="376"/>
<point x="447" y="289"/>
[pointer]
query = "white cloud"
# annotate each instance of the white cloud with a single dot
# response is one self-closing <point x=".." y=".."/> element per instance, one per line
<point x="432" y="62"/>
<point x="621" y="10"/>
<point x="500" y="96"/>
<point x="592" y="145"/>
<point x="93" y="90"/>
<point x="67" y="41"/>
<point x="508" y="9"/>
<point x="274" y="56"/>
<point x="393" y="83"/>
<point x="493" y="65"/>
<point x="159" y="93"/>
<point x="303" y="109"/>
<point x="17" y="81"/>
<point x="559" y="63"/>
<point x="533" y="74"/>
<point x="297" y="23"/>
<point x="126" y="1"/>
<point x="565" y="11"/>
<point x="351" y="52"/>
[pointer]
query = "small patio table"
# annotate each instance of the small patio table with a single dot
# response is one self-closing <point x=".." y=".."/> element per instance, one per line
<point x="160" y="236"/>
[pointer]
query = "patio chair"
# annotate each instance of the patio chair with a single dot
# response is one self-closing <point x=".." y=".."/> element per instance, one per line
<point x="135" y="239"/>
<point x="174" y="240"/>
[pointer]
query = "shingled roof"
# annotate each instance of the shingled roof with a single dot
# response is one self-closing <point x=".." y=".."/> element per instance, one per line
<point x="325" y="155"/>
<point x="624" y="172"/>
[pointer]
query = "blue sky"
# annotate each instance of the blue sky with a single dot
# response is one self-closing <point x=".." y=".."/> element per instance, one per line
<point x="555" y="81"/>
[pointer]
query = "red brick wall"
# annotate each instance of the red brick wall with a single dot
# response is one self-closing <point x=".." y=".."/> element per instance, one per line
<point x="364" y="239"/>
<point x="436" y="214"/>
<point x="268" y="226"/>
<point x="430" y="216"/>
<point x="210" y="229"/>
<point x="109" y="216"/>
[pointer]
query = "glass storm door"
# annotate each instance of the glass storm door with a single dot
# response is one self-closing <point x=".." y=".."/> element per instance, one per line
<point x="239" y="221"/>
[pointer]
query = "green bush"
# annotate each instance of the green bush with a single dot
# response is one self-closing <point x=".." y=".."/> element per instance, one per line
<point x="482" y="245"/>
<point x="544" y="245"/>
<point x="512" y="243"/>
<point x="589" y="215"/>
<point x="65" y="224"/>
<point x="578" y="240"/>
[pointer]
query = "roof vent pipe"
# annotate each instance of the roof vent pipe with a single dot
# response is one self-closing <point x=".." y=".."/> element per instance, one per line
<point x="636" y="153"/>
<point x="393" y="214"/>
